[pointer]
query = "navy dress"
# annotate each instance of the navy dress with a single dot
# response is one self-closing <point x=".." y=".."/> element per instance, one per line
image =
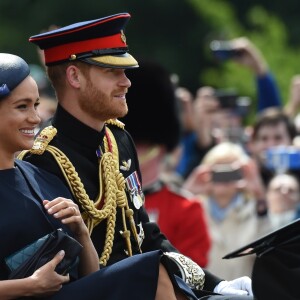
<point x="23" y="220"/>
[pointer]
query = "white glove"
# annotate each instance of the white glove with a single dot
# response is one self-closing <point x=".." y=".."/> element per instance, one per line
<point x="239" y="286"/>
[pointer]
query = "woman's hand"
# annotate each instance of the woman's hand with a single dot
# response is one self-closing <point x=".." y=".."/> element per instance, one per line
<point x="68" y="213"/>
<point x="199" y="181"/>
<point x="254" y="182"/>
<point x="45" y="281"/>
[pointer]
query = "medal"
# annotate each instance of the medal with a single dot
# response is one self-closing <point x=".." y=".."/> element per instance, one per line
<point x="135" y="190"/>
<point x="141" y="234"/>
<point x="136" y="201"/>
<point x="135" y="198"/>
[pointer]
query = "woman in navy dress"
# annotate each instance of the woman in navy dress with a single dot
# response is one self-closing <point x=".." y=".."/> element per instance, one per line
<point x="34" y="202"/>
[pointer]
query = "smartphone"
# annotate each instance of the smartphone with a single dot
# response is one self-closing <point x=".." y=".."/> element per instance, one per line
<point x="226" y="173"/>
<point x="229" y="99"/>
<point x="282" y="158"/>
<point x="223" y="50"/>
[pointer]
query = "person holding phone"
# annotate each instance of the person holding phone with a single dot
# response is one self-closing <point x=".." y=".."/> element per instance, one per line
<point x="246" y="53"/>
<point x="208" y="106"/>
<point x="223" y="184"/>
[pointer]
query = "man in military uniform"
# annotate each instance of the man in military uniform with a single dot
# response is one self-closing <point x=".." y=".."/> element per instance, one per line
<point x="89" y="149"/>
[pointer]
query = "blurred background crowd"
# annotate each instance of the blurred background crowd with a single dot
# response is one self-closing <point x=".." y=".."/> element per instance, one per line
<point x="213" y="111"/>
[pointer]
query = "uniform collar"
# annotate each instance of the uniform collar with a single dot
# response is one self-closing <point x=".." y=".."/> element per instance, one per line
<point x="75" y="130"/>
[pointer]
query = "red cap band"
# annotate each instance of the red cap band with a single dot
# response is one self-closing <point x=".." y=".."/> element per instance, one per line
<point x="63" y="52"/>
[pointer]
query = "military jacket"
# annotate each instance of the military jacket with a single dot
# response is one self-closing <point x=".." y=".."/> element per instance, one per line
<point x="80" y="142"/>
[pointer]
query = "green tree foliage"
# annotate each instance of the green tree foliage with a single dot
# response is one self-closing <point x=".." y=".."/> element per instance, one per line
<point x="265" y="30"/>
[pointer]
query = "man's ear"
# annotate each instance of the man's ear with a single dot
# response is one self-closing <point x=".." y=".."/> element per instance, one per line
<point x="73" y="76"/>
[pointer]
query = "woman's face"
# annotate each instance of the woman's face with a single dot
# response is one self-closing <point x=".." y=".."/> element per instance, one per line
<point x="19" y="118"/>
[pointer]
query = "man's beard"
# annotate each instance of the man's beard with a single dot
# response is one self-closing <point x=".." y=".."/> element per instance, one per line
<point x="98" y="105"/>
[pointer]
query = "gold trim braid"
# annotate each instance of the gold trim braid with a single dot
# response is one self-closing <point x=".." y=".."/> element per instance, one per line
<point x="113" y="183"/>
<point x="115" y="122"/>
<point x="191" y="273"/>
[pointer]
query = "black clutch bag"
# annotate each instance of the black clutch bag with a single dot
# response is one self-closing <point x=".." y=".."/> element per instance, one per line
<point x="24" y="262"/>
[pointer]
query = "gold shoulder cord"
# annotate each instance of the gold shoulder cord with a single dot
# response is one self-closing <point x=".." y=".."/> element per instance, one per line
<point x="110" y="178"/>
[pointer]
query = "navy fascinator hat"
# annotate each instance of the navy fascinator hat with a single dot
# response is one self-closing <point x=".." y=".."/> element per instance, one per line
<point x="13" y="70"/>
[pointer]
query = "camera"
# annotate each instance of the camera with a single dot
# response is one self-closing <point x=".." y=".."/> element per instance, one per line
<point x="282" y="158"/>
<point x="223" y="50"/>
<point x="225" y="173"/>
<point x="230" y="99"/>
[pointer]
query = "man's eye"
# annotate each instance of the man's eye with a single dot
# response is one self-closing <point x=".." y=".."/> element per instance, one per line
<point x="22" y="106"/>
